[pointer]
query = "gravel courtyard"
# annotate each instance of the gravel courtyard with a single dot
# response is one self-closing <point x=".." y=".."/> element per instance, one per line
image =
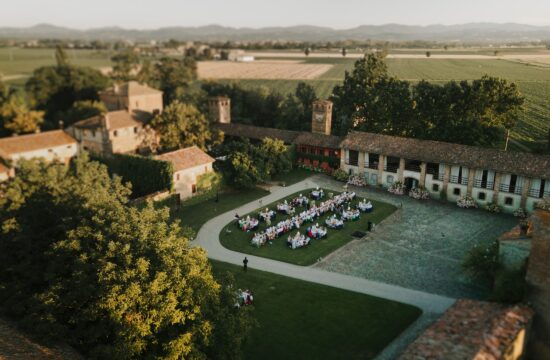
<point x="420" y="246"/>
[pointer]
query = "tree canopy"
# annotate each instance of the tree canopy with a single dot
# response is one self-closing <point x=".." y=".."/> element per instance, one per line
<point x="114" y="281"/>
<point x="467" y="112"/>
<point x="181" y="125"/>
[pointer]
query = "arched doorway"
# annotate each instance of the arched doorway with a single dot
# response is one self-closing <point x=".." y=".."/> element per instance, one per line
<point x="411" y="183"/>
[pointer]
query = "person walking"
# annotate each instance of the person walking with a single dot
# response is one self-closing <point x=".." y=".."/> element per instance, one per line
<point x="245" y="264"/>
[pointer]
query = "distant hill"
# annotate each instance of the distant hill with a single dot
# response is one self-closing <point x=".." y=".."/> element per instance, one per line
<point x="469" y="33"/>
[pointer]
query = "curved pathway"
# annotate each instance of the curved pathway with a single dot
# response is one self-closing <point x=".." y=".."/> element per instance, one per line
<point x="208" y="238"/>
<point x="431" y="304"/>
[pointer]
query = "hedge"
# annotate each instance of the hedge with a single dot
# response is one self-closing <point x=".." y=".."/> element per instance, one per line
<point x="147" y="175"/>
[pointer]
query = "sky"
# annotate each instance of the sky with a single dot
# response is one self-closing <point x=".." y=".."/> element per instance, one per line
<point x="340" y="14"/>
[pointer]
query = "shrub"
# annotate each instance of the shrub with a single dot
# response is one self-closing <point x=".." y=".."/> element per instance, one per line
<point x="510" y="286"/>
<point x="397" y="188"/>
<point x="481" y="262"/>
<point x="520" y="213"/>
<point x="209" y="181"/>
<point x="357" y="180"/>
<point x="147" y="175"/>
<point x="466" y="202"/>
<point x="492" y="207"/>
<point x="340" y="175"/>
<point x="419" y="194"/>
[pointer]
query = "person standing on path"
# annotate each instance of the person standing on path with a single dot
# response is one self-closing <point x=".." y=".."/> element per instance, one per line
<point x="245" y="264"/>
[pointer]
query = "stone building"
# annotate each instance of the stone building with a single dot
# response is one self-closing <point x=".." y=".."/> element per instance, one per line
<point x="48" y="145"/>
<point x="220" y="110"/>
<point x="132" y="96"/>
<point x="538" y="279"/>
<point x="475" y="330"/>
<point x="114" y="132"/>
<point x="189" y="164"/>
<point x="448" y="171"/>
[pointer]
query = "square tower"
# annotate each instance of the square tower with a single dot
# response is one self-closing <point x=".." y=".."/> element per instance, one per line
<point x="321" y="121"/>
<point x="220" y="110"/>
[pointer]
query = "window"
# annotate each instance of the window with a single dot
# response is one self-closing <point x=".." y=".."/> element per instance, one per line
<point x="508" y="201"/>
<point x="456" y="191"/>
<point x="69" y="146"/>
<point x="374" y="178"/>
<point x="50" y="150"/>
<point x="194" y="188"/>
<point x="390" y="179"/>
<point x="177" y="177"/>
<point x="206" y="169"/>
<point x="115" y="133"/>
<point x="135" y="130"/>
<point x="481" y="196"/>
<point x="435" y="187"/>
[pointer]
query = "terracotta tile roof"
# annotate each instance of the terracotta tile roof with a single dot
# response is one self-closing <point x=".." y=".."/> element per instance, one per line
<point x="186" y="158"/>
<point x="131" y="88"/>
<point x="320" y="140"/>
<point x="471" y="329"/>
<point x="24" y="143"/>
<point x="16" y="345"/>
<point x="115" y="120"/>
<point x="525" y="164"/>
<point x="257" y="132"/>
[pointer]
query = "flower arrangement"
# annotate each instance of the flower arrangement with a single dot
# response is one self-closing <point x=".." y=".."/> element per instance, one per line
<point x="419" y="194"/>
<point x="357" y="180"/>
<point x="466" y="202"/>
<point x="520" y="213"/>
<point x="397" y="188"/>
<point x="492" y="207"/>
<point x="312" y="168"/>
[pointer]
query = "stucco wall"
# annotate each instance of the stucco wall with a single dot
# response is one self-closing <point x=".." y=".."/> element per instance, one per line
<point x="185" y="179"/>
<point x="62" y="153"/>
<point x="126" y="139"/>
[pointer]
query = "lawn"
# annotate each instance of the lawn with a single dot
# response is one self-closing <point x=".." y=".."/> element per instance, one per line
<point x="303" y="320"/>
<point x="293" y="176"/>
<point x="235" y="239"/>
<point x="198" y="210"/>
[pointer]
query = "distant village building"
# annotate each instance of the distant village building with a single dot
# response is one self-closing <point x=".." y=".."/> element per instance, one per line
<point x="189" y="165"/>
<point x="111" y="133"/>
<point x="239" y="56"/>
<point x="48" y="145"/>
<point x="132" y="96"/>
<point x="472" y="329"/>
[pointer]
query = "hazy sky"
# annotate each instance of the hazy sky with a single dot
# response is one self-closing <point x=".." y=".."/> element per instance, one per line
<point x="259" y="13"/>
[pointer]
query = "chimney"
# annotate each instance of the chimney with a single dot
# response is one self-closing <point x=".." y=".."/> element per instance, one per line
<point x="321" y="117"/>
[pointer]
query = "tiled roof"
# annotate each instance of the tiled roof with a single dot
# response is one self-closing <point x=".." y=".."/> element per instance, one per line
<point x="320" y="140"/>
<point x="31" y="142"/>
<point x="471" y="329"/>
<point x="186" y="158"/>
<point x="131" y="88"/>
<point x="115" y="120"/>
<point x="525" y="164"/>
<point x="258" y="132"/>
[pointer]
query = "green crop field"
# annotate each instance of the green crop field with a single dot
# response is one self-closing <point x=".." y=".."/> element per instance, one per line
<point x="533" y="81"/>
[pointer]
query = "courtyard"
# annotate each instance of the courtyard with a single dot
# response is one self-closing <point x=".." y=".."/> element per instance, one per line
<point x="421" y="246"/>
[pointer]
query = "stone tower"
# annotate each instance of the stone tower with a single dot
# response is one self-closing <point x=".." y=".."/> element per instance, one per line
<point x="220" y="110"/>
<point x="538" y="280"/>
<point x="321" y="120"/>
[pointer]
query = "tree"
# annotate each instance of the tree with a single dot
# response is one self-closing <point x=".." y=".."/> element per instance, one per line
<point x="306" y="95"/>
<point x="174" y="77"/>
<point x="307" y="51"/>
<point x="114" y="281"/>
<point x="83" y="110"/>
<point x="273" y="158"/>
<point x="428" y="54"/>
<point x="146" y="74"/>
<point x="344" y="51"/>
<point x="16" y="117"/>
<point x="124" y="64"/>
<point x="61" y="56"/>
<point x="55" y="89"/>
<point x="243" y="171"/>
<point x="182" y="125"/>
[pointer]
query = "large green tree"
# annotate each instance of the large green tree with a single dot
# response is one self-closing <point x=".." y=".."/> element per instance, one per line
<point x="114" y="281"/>
<point x="17" y="118"/>
<point x="174" y="77"/>
<point x="125" y="63"/>
<point x="83" y="110"/>
<point x="181" y="125"/>
<point x="55" y="89"/>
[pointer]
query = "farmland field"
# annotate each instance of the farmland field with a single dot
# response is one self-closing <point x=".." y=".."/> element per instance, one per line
<point x="267" y="69"/>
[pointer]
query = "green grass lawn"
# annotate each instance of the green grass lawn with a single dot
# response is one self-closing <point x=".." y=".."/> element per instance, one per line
<point x="303" y="320"/>
<point x="239" y="240"/>
<point x="293" y="176"/>
<point x="198" y="210"/>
